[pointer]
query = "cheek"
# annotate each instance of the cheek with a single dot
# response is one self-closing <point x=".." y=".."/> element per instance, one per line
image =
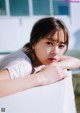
<point x="39" y="51"/>
<point x="60" y="56"/>
<point x="61" y="53"/>
<point x="42" y="50"/>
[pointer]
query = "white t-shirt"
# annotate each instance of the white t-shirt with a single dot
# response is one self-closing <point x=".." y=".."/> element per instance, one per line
<point x="17" y="63"/>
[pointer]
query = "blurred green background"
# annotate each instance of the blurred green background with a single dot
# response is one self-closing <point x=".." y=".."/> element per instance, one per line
<point x="75" y="53"/>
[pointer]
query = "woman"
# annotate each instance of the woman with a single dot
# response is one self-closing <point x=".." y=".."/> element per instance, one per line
<point x="39" y="62"/>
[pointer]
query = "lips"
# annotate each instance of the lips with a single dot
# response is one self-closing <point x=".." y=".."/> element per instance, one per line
<point x="52" y="59"/>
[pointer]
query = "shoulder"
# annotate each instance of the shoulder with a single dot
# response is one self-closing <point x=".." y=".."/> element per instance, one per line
<point x="17" y="63"/>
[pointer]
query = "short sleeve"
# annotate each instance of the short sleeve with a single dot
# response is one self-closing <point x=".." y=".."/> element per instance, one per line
<point x="17" y="63"/>
<point x="19" y="69"/>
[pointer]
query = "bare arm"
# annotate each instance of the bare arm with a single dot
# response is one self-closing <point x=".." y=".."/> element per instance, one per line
<point x="68" y="62"/>
<point x="10" y="86"/>
<point x="48" y="75"/>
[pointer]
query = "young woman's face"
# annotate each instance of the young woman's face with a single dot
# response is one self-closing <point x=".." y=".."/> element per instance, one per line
<point x="48" y="50"/>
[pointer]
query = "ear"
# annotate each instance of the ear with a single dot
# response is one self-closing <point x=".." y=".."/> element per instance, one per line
<point x="33" y="47"/>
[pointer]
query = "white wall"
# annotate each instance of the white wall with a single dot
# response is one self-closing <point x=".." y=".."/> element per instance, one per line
<point x="75" y="21"/>
<point x="15" y="31"/>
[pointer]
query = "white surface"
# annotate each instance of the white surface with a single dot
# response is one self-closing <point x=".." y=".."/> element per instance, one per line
<point x="55" y="98"/>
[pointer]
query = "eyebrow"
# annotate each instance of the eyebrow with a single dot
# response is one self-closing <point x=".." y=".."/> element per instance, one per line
<point x="55" y="40"/>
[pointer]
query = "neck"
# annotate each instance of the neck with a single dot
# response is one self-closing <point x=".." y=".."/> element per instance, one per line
<point x="37" y="63"/>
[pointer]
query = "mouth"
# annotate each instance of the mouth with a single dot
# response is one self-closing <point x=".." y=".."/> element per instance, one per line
<point x="53" y="59"/>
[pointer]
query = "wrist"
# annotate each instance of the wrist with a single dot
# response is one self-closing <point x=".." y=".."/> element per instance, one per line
<point x="40" y="79"/>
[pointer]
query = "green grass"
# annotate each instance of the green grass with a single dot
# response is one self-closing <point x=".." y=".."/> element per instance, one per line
<point x="74" y="53"/>
<point x="4" y="53"/>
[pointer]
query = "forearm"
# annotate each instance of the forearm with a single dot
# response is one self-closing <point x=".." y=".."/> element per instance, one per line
<point x="47" y="75"/>
<point x="68" y="62"/>
<point x="11" y="86"/>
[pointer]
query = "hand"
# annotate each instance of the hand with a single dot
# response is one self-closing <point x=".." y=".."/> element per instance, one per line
<point x="51" y="74"/>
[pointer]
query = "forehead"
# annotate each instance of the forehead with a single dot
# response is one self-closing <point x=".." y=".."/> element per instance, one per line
<point x="58" y="36"/>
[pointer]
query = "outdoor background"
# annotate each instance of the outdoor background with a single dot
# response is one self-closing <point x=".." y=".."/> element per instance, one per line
<point x="18" y="16"/>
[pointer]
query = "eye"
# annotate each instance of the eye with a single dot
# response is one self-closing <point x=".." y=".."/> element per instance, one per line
<point x="61" y="46"/>
<point x="50" y="43"/>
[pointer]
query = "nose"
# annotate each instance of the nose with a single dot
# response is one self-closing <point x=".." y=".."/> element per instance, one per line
<point x="55" y="50"/>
